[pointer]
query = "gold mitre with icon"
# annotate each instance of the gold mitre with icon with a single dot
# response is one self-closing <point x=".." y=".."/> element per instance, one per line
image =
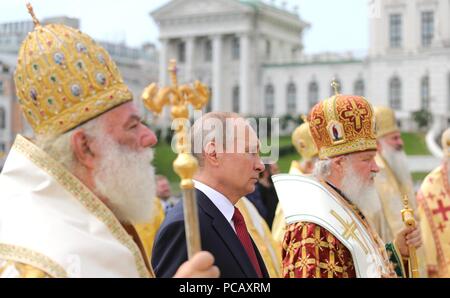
<point x="446" y="142"/>
<point x="303" y="141"/>
<point x="343" y="124"/>
<point x="64" y="78"/>
<point x="385" y="121"/>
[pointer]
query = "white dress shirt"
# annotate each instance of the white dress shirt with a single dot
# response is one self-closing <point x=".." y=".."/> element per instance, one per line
<point x="219" y="200"/>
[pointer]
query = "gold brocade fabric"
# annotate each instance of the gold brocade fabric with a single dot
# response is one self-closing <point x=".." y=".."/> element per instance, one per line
<point x="310" y="251"/>
<point x="389" y="222"/>
<point x="279" y="223"/>
<point x="64" y="78"/>
<point x="267" y="247"/>
<point x="343" y="124"/>
<point x="278" y="226"/>
<point x="390" y="193"/>
<point x="12" y="269"/>
<point x="147" y="232"/>
<point x="434" y="207"/>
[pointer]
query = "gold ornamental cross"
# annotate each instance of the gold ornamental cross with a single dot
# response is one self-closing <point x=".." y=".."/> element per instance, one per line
<point x="335" y="85"/>
<point x="357" y="113"/>
<point x="349" y="230"/>
<point x="179" y="98"/>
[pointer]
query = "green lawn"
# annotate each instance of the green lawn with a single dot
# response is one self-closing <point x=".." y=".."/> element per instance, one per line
<point x="419" y="176"/>
<point x="415" y="144"/>
<point x="164" y="157"/>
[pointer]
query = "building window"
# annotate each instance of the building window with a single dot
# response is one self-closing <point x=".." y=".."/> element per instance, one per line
<point x="395" y="30"/>
<point x="208" y="50"/>
<point x="2" y="118"/>
<point x="182" y="52"/>
<point x="236" y="99"/>
<point x="339" y="87"/>
<point x="269" y="99"/>
<point x="291" y="98"/>
<point x="395" y="93"/>
<point x="359" y="88"/>
<point x="268" y="49"/>
<point x="313" y="94"/>
<point x="425" y="93"/>
<point x="427" y="28"/>
<point x="235" y="48"/>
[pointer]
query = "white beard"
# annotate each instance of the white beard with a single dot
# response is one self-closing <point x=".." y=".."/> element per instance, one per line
<point x="398" y="162"/>
<point x="363" y="195"/>
<point x="127" y="179"/>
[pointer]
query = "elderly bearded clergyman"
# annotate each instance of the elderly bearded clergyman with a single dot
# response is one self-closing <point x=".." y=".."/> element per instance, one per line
<point x="69" y="197"/>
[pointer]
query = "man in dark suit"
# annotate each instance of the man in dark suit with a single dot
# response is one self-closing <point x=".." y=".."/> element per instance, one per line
<point x="227" y="149"/>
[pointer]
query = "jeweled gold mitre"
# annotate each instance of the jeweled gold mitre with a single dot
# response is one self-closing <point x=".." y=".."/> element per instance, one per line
<point x="343" y="124"/>
<point x="386" y="122"/>
<point x="303" y="142"/>
<point x="64" y="78"/>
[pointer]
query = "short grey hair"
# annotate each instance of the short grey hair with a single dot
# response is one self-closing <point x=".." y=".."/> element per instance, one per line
<point x="208" y="128"/>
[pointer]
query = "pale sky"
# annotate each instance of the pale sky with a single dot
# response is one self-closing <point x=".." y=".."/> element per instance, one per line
<point x="336" y="25"/>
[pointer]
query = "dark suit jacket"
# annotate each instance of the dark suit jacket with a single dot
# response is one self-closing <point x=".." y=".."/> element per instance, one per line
<point x="217" y="237"/>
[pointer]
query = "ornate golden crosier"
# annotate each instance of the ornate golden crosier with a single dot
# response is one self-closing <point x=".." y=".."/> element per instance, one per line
<point x="410" y="222"/>
<point x="185" y="165"/>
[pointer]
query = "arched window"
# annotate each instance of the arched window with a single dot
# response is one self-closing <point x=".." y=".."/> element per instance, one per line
<point x="269" y="96"/>
<point x="359" y="88"/>
<point x="291" y="98"/>
<point x="236" y="99"/>
<point x="2" y="118"/>
<point x="395" y="93"/>
<point x="425" y="92"/>
<point x="313" y="94"/>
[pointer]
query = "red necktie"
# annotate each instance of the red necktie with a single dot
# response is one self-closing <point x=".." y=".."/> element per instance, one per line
<point x="244" y="237"/>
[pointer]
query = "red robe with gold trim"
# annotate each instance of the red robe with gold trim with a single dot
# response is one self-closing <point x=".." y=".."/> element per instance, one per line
<point x="310" y="251"/>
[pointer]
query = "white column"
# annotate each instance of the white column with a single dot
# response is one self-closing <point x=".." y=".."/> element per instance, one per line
<point x="163" y="62"/>
<point x="245" y="83"/>
<point x="189" y="72"/>
<point x="217" y="73"/>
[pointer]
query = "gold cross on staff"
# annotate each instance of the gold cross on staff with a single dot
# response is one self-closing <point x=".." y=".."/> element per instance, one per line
<point x="336" y="87"/>
<point x="179" y="97"/>
<point x="33" y="16"/>
<point x="349" y="230"/>
<point x="185" y="165"/>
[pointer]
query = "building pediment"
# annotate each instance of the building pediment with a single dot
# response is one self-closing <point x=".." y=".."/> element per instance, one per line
<point x="178" y="9"/>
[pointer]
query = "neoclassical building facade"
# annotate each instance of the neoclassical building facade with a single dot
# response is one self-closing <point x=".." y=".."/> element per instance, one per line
<point x="251" y="54"/>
